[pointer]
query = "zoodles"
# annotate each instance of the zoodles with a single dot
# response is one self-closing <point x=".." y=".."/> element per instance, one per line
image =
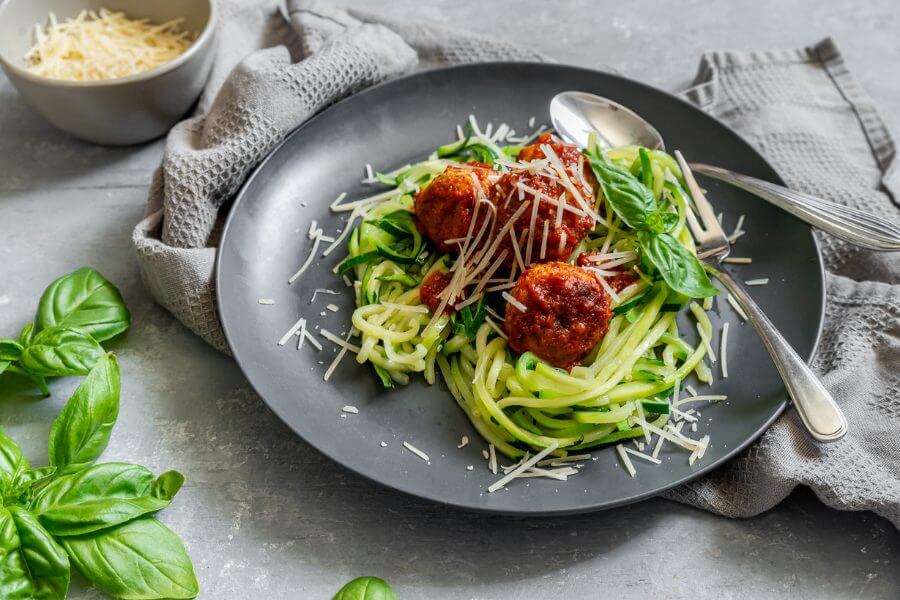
<point x="520" y="402"/>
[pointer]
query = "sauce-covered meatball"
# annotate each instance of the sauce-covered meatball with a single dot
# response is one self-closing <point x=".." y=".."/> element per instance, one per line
<point x="434" y="284"/>
<point x="445" y="208"/>
<point x="575" y="163"/>
<point x="545" y="187"/>
<point x="566" y="313"/>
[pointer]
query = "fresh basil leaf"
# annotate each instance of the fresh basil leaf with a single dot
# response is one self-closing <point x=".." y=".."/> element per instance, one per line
<point x="12" y="461"/>
<point x="10" y="349"/>
<point x="14" y="581"/>
<point x="30" y="477"/>
<point x="83" y="299"/>
<point x="679" y="268"/>
<point x="81" y="431"/>
<point x="99" y="497"/>
<point x="27" y="334"/>
<point x="46" y="561"/>
<point x="167" y="485"/>
<point x="366" y="588"/>
<point x="628" y="197"/>
<point x="61" y="351"/>
<point x="139" y="559"/>
<point x="661" y="221"/>
<point x="3" y="365"/>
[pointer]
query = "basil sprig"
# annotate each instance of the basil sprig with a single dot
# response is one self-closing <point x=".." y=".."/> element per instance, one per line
<point x="76" y="312"/>
<point x="633" y="200"/>
<point x="95" y="517"/>
<point x="366" y="588"/>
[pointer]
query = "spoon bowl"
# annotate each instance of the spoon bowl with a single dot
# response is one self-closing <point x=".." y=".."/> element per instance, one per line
<point x="575" y="115"/>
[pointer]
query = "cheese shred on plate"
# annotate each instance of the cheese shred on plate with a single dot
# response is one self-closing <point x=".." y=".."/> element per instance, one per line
<point x="101" y="45"/>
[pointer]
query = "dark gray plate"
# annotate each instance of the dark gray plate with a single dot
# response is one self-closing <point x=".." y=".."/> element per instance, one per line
<point x="402" y="121"/>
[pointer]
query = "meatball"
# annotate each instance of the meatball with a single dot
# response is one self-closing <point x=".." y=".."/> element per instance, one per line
<point x="562" y="240"/>
<point x="544" y="186"/>
<point x="575" y="163"/>
<point x="444" y="209"/>
<point x="566" y="313"/>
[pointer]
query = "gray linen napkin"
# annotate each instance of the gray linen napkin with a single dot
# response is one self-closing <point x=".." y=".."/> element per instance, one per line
<point x="804" y="111"/>
<point x="800" y="108"/>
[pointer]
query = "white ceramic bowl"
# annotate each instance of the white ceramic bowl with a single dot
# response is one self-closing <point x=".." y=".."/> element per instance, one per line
<point x="120" y="111"/>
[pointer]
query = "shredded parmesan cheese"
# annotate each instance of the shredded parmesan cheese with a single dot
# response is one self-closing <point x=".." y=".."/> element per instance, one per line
<point x="737" y="307"/>
<point x="103" y="45"/>
<point x="340" y="355"/>
<point x="722" y="348"/>
<point x="416" y="451"/>
<point x="492" y="461"/>
<point x="318" y="291"/>
<point x="626" y="462"/>
<point x="308" y="261"/>
<point x="509" y="298"/>
<point x="522" y="468"/>
<point x="646" y="457"/>
<point x="290" y="332"/>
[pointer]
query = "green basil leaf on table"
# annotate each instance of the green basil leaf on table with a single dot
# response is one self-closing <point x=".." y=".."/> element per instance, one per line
<point x="167" y="485"/>
<point x="366" y="588"/>
<point x="12" y="461"/>
<point x="139" y="559"/>
<point x="81" y="431"/>
<point x="628" y="197"/>
<point x="27" y="334"/>
<point x="679" y="268"/>
<point x="61" y="351"/>
<point x="14" y="581"/>
<point x="83" y="300"/>
<point x="30" y="477"/>
<point x="10" y="349"/>
<point x="45" y="559"/>
<point x="99" y="497"/>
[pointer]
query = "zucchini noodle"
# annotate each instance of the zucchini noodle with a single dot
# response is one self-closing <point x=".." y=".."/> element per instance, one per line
<point x="522" y="404"/>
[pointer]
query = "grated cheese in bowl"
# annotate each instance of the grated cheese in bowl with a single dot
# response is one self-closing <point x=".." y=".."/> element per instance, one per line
<point x="103" y="45"/>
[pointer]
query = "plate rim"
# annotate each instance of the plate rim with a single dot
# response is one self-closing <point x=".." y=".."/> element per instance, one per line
<point x="581" y="508"/>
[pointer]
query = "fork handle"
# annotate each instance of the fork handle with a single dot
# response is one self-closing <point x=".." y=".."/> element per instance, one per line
<point x="817" y="409"/>
<point x="849" y="224"/>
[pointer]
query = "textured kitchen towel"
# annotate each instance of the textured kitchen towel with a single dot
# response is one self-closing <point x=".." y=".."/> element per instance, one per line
<point x="800" y="108"/>
<point x="804" y="111"/>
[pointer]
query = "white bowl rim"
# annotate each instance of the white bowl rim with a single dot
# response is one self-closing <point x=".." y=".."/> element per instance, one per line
<point x="182" y="58"/>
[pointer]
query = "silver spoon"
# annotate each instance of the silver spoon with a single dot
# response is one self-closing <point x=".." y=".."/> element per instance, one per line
<point x="577" y="114"/>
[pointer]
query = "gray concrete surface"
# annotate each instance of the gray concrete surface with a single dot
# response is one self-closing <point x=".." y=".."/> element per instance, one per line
<point x="265" y="516"/>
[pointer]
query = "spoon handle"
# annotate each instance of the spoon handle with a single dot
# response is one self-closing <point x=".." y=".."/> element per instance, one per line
<point x="849" y="224"/>
<point x="817" y="409"/>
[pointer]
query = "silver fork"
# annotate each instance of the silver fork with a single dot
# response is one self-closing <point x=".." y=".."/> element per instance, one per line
<point x="817" y="409"/>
